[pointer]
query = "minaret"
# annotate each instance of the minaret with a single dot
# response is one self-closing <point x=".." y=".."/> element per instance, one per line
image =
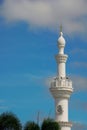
<point x="61" y="87"/>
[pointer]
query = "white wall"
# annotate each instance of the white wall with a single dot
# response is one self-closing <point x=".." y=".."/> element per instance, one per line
<point x="64" y="115"/>
<point x="65" y="128"/>
<point x="61" y="70"/>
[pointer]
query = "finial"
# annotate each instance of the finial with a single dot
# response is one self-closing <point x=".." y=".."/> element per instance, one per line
<point x="61" y="28"/>
<point x="61" y="34"/>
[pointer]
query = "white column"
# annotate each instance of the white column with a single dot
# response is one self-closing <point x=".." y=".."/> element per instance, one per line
<point x="64" y="105"/>
<point x="61" y="70"/>
<point x="61" y="62"/>
<point x="65" y="128"/>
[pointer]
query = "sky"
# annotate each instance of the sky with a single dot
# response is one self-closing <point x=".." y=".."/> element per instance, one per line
<point x="29" y="30"/>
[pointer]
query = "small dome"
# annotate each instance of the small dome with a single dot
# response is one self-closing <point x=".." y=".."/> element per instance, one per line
<point x="61" y="40"/>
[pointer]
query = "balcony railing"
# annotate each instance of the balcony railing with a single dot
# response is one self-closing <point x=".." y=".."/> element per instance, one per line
<point x="61" y="82"/>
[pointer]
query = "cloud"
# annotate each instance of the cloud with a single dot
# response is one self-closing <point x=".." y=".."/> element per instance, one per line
<point x="1" y="100"/>
<point x="79" y="64"/>
<point x="79" y="51"/>
<point x="79" y="54"/>
<point x="47" y="13"/>
<point x="3" y="107"/>
<point x="79" y="126"/>
<point x="48" y="81"/>
<point x="17" y="80"/>
<point x="79" y="83"/>
<point x="79" y="105"/>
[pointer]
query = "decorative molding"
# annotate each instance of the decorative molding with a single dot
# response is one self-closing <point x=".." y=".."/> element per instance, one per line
<point x="59" y="109"/>
<point x="66" y="124"/>
<point x="61" y="58"/>
<point x="61" y="92"/>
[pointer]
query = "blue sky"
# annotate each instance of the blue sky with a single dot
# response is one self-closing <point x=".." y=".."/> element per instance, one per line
<point x="28" y="43"/>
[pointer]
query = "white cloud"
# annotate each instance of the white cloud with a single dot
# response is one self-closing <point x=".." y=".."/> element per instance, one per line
<point x="2" y="104"/>
<point x="3" y="107"/>
<point x="20" y="80"/>
<point x="79" y="51"/>
<point x="79" y="64"/>
<point x="79" y="126"/>
<point x="48" y="13"/>
<point x="79" y="105"/>
<point x="79" y="83"/>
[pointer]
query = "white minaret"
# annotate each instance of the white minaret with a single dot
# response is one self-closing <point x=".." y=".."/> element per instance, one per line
<point x="61" y="87"/>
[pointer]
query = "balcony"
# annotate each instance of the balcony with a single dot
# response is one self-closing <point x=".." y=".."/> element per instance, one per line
<point x="61" y="82"/>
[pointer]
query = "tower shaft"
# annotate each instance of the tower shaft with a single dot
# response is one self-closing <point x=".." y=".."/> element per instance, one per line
<point x="61" y="62"/>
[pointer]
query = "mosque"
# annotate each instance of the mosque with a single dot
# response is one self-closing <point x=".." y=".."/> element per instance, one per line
<point x="61" y="87"/>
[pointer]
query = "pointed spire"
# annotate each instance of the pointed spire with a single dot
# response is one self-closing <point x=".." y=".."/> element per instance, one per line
<point x="61" y="27"/>
<point x="61" y="40"/>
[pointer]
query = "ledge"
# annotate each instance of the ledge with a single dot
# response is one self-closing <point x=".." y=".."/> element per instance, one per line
<point x="59" y="92"/>
<point x="67" y="124"/>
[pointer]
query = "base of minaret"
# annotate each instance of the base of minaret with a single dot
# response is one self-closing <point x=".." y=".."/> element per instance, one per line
<point x="65" y="125"/>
